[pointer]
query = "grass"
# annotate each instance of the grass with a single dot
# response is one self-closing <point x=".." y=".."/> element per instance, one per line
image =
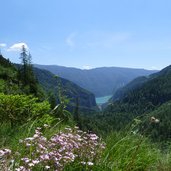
<point x="124" y="151"/>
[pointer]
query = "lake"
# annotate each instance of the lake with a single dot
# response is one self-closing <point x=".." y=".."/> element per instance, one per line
<point x="102" y="100"/>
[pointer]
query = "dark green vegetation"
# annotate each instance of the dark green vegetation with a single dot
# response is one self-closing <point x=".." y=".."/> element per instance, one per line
<point x="8" y="76"/>
<point x="51" y="87"/>
<point x="100" y="81"/>
<point x="135" y="125"/>
<point x="143" y="98"/>
<point x="54" y="85"/>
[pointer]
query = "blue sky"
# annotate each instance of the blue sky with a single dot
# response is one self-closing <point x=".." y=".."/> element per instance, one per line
<point x="88" y="33"/>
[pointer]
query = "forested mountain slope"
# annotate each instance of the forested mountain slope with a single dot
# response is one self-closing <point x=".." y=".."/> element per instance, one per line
<point x="100" y="81"/>
<point x="137" y="101"/>
<point x="142" y="99"/>
<point x="155" y="88"/>
<point x="52" y="84"/>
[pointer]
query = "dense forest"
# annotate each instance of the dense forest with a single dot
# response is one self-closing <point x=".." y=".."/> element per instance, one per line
<point x="143" y="98"/>
<point x="50" y="123"/>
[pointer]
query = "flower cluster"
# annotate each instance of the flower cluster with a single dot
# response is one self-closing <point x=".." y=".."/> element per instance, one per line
<point x="54" y="153"/>
<point x="154" y="120"/>
<point x="4" y="158"/>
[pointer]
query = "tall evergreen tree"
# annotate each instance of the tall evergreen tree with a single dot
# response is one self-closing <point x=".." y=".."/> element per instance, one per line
<point x="26" y="72"/>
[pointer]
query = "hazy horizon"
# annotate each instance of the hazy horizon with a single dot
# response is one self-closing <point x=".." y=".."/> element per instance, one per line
<point x="96" y="67"/>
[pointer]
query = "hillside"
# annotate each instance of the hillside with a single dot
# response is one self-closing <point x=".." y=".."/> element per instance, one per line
<point x="8" y="77"/>
<point x="144" y="96"/>
<point x="162" y="130"/>
<point x="72" y="91"/>
<point x="10" y="84"/>
<point x="138" y="83"/>
<point x="155" y="88"/>
<point x="100" y="81"/>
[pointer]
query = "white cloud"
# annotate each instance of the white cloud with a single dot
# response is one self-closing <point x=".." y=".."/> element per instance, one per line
<point x="70" y="40"/>
<point x="87" y="67"/>
<point x="17" y="47"/>
<point x="3" y="44"/>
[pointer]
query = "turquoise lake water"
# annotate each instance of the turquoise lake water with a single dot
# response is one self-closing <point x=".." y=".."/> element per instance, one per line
<point x="102" y="100"/>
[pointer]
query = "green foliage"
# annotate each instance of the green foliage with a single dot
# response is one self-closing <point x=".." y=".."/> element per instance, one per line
<point x="8" y="77"/>
<point x="5" y="62"/>
<point x="128" y="152"/>
<point x="60" y="112"/>
<point x="18" y="109"/>
<point x="159" y="131"/>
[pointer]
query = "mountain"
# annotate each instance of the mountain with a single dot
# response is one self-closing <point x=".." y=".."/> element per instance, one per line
<point x="137" y="106"/>
<point x="100" y="81"/>
<point x="141" y="96"/>
<point x="10" y="84"/>
<point x="123" y="91"/>
<point x="138" y="83"/>
<point x="52" y="84"/>
<point x="155" y="87"/>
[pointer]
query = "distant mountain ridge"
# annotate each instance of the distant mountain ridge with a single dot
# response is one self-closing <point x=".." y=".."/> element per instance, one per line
<point x="153" y="82"/>
<point x="100" y="81"/>
<point x="72" y="91"/>
<point x="143" y="94"/>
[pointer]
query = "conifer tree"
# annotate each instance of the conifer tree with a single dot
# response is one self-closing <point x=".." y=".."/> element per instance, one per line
<point x="26" y="72"/>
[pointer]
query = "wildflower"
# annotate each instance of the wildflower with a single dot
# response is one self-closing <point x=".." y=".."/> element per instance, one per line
<point x="90" y="163"/>
<point x="157" y="120"/>
<point x="26" y="160"/>
<point x="76" y="127"/>
<point x="4" y="152"/>
<point x="82" y="162"/>
<point x="44" y="157"/>
<point x="29" y="139"/>
<point x="35" y="161"/>
<point x="93" y="137"/>
<point x="21" y="168"/>
<point x="47" y="167"/>
<point x="21" y="141"/>
<point x="35" y="136"/>
<point x="60" y="149"/>
<point x="31" y="164"/>
<point x="46" y="126"/>
<point x="69" y="129"/>
<point x="154" y="120"/>
<point x="28" y="144"/>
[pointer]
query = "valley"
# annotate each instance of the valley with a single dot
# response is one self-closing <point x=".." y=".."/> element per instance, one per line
<point x="85" y="85"/>
<point x="100" y="81"/>
<point x="136" y="113"/>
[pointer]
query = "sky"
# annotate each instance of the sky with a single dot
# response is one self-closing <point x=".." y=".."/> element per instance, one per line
<point x="88" y="33"/>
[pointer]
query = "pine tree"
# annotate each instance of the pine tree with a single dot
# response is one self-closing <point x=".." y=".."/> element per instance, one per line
<point x="26" y="72"/>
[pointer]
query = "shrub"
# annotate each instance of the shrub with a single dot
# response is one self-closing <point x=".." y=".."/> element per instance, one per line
<point x="18" y="109"/>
